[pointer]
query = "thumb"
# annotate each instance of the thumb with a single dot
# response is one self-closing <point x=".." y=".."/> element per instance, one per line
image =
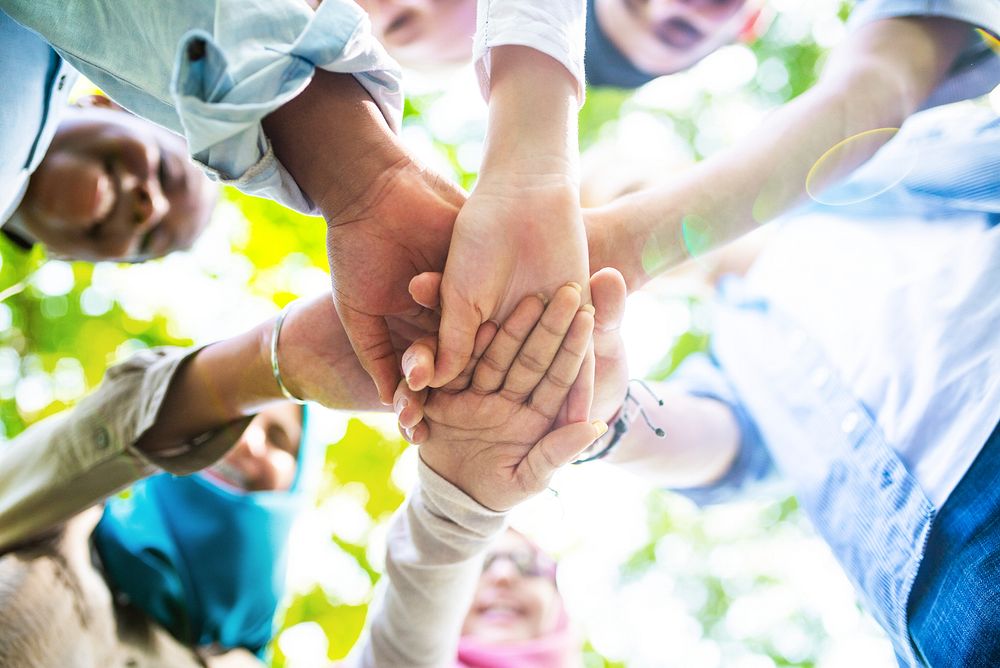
<point x="418" y="362"/>
<point x="459" y="325"/>
<point x="372" y="344"/>
<point x="556" y="449"/>
<point x="425" y="289"/>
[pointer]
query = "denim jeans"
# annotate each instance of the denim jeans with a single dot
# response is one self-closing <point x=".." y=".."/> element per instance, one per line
<point x="954" y="606"/>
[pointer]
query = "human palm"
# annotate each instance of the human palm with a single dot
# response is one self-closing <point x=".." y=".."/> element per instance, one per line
<point x="511" y="239"/>
<point x="489" y="431"/>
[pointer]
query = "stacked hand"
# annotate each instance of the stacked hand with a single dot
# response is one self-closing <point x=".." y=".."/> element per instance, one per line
<point x="488" y="431"/>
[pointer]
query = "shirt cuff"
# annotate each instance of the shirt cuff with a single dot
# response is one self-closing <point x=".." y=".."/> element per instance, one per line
<point x="556" y="28"/>
<point x="224" y="87"/>
<point x="460" y="524"/>
<point x="753" y="469"/>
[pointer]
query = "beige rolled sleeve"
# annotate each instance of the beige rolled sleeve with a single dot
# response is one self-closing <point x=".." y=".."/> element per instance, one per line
<point x="70" y="461"/>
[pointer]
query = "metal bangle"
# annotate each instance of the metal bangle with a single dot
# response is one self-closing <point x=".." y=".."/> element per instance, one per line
<point x="274" y="355"/>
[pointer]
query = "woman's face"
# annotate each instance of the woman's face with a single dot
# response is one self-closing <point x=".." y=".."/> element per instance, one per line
<point x="516" y="599"/>
<point x="265" y="457"/>
<point x="666" y="36"/>
<point x="115" y="187"/>
<point x="424" y="32"/>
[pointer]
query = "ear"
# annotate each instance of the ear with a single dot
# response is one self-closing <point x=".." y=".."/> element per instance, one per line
<point x="97" y="102"/>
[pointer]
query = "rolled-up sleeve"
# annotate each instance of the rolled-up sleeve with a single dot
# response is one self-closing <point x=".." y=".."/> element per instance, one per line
<point x="753" y="467"/>
<point x="70" y="461"/>
<point x="976" y="70"/>
<point x="556" y="28"/>
<point x="213" y="70"/>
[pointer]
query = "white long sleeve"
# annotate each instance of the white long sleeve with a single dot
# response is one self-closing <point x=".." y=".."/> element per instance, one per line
<point x="436" y="547"/>
<point x="554" y="27"/>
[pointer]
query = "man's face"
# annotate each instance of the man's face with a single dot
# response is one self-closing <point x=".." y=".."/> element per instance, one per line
<point x="115" y="187"/>
<point x="666" y="36"/>
<point x="424" y="32"/>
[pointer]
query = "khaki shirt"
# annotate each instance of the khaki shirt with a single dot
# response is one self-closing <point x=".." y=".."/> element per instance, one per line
<point x="70" y="461"/>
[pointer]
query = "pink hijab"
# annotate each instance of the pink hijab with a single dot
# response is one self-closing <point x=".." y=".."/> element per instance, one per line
<point x="560" y="648"/>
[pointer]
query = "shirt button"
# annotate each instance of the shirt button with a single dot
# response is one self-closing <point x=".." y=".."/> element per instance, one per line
<point x="849" y="422"/>
<point x="196" y="50"/>
<point x="62" y="83"/>
<point x="102" y="439"/>
<point x="820" y="377"/>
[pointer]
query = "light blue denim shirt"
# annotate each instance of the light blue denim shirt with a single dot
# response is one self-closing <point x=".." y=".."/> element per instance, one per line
<point x="801" y="418"/>
<point x="212" y="69"/>
<point x="36" y="82"/>
<point x="977" y="69"/>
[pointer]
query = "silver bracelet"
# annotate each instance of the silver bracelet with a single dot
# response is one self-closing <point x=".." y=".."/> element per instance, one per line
<point x="621" y="424"/>
<point x="274" y="355"/>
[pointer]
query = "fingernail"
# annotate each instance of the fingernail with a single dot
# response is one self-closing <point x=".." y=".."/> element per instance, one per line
<point x="409" y="433"/>
<point x="575" y="286"/>
<point x="408" y="364"/>
<point x="600" y="426"/>
<point x="401" y="403"/>
<point x="589" y="308"/>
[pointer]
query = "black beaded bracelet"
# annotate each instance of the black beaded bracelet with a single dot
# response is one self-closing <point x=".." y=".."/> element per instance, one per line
<point x="621" y="425"/>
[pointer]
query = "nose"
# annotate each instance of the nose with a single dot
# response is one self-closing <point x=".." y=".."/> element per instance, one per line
<point x="149" y="203"/>
<point x="501" y="571"/>
<point x="714" y="10"/>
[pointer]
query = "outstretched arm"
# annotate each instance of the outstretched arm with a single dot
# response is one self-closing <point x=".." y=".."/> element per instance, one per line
<point x="486" y="446"/>
<point x="177" y="409"/>
<point x="881" y="74"/>
<point x="521" y="231"/>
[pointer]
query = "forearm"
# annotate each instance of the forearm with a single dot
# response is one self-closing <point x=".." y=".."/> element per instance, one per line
<point x="435" y="551"/>
<point x="334" y="141"/>
<point x="532" y="129"/>
<point x="874" y="81"/>
<point x="233" y="378"/>
<point x="701" y="442"/>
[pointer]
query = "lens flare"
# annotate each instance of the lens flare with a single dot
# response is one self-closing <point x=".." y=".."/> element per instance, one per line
<point x="697" y="236"/>
<point x="991" y="40"/>
<point x="834" y="165"/>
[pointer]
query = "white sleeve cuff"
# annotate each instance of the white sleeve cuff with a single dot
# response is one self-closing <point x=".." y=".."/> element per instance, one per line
<point x="556" y="28"/>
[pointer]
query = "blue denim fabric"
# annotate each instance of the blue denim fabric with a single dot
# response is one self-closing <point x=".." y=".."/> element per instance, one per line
<point x="954" y="607"/>
<point x="800" y="418"/>
<point x="976" y="71"/>
<point x="36" y="83"/>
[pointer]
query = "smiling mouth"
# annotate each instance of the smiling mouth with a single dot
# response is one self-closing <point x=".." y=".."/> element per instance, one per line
<point x="677" y="33"/>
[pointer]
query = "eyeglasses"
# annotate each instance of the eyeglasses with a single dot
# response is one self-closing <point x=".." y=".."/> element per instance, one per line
<point x="528" y="564"/>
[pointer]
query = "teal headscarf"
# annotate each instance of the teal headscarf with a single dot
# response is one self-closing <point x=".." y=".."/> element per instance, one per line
<point x="206" y="562"/>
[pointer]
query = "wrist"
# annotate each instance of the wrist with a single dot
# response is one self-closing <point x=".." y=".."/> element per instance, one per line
<point x="333" y="140"/>
<point x="533" y="115"/>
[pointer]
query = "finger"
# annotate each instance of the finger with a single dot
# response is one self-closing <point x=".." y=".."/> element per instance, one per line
<point x="459" y="324"/>
<point x="425" y="289"/>
<point x="498" y="357"/>
<point x="607" y="291"/>
<point x="543" y="344"/>
<point x="483" y="339"/>
<point x="418" y="362"/>
<point x="372" y="344"/>
<point x="415" y="435"/>
<point x="408" y="405"/>
<point x="554" y="387"/>
<point x="556" y="449"/>
<point x="581" y="395"/>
